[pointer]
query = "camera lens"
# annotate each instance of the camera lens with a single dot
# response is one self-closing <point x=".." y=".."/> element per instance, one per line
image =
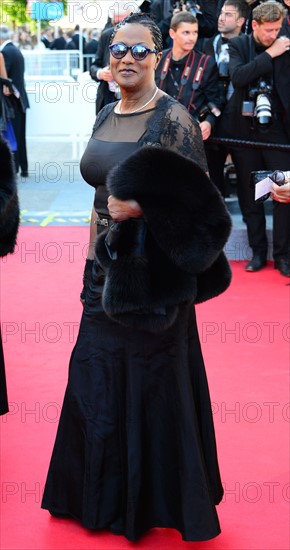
<point x="263" y="110"/>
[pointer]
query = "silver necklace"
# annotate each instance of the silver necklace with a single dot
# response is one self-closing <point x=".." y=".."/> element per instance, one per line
<point x="140" y="108"/>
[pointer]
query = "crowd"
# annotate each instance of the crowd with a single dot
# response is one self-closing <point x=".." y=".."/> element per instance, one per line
<point x="56" y="39"/>
<point x="218" y="59"/>
<point x="135" y="446"/>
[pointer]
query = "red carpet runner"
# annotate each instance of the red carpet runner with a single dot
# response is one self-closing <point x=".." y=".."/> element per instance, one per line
<point x="245" y="338"/>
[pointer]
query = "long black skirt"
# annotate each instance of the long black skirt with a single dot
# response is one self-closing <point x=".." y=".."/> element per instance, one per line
<point x="135" y="446"/>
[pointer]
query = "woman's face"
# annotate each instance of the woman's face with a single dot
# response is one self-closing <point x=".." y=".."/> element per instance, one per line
<point x="127" y="72"/>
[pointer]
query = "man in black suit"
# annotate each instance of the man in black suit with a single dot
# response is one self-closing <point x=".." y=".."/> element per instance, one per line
<point x="77" y="39"/>
<point x="58" y="43"/>
<point x="230" y="22"/>
<point x="47" y="37"/>
<point x="14" y="62"/>
<point x="92" y="44"/>
<point x="91" y="47"/>
<point x="259" y="111"/>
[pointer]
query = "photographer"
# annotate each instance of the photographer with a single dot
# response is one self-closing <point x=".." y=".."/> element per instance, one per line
<point x="188" y="75"/>
<point x="259" y="111"/>
<point x="230" y="22"/>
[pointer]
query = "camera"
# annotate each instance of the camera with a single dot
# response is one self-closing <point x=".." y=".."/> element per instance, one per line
<point x="190" y="6"/>
<point x="259" y="104"/>
<point x="193" y="7"/>
<point x="263" y="109"/>
<point x="278" y="176"/>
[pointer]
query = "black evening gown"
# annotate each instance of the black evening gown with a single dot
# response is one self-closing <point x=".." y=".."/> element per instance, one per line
<point x="135" y="447"/>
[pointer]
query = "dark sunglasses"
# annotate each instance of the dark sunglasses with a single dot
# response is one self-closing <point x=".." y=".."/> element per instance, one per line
<point x="138" y="51"/>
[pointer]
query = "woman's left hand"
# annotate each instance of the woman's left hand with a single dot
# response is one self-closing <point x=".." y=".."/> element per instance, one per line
<point x="123" y="210"/>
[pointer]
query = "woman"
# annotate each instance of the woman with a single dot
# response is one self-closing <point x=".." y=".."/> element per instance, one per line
<point x="3" y="73"/>
<point x="135" y="447"/>
<point x="9" y="222"/>
<point x="6" y="108"/>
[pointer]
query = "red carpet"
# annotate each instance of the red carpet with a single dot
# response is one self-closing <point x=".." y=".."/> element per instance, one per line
<point x="245" y="338"/>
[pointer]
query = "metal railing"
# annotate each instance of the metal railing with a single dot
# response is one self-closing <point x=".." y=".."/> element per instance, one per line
<point x="60" y="64"/>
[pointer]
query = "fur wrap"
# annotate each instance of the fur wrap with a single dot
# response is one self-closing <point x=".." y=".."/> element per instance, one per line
<point x="9" y="206"/>
<point x="172" y="255"/>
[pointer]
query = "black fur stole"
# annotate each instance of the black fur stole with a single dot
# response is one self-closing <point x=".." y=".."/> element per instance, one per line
<point x="9" y="206"/>
<point x="175" y="254"/>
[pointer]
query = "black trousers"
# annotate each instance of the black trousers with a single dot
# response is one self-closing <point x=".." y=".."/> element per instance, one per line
<point x="20" y="156"/>
<point x="216" y="155"/>
<point x="253" y="159"/>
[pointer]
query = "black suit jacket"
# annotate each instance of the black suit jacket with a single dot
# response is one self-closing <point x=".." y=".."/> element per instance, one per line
<point x="91" y="50"/>
<point x="14" y="62"/>
<point x="76" y="40"/>
<point x="246" y="67"/>
<point x="58" y="43"/>
<point x="92" y="46"/>
<point x="102" y="59"/>
<point x="45" y="41"/>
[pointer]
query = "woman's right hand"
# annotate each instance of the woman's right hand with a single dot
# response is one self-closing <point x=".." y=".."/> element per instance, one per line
<point x="123" y="210"/>
<point x="6" y="90"/>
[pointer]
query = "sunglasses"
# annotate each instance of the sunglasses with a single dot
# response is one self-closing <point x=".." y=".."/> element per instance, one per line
<point x="138" y="51"/>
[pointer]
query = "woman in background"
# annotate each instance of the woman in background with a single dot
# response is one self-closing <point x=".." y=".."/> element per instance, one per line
<point x="9" y="222"/>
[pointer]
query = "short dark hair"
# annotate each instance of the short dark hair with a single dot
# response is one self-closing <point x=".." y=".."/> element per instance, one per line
<point x="182" y="17"/>
<point x="146" y="20"/>
<point x="240" y="5"/>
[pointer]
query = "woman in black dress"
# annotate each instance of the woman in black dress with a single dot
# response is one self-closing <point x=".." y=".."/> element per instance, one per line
<point x="9" y="223"/>
<point x="135" y="446"/>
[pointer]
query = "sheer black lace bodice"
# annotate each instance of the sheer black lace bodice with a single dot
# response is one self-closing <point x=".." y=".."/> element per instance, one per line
<point x="115" y="137"/>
